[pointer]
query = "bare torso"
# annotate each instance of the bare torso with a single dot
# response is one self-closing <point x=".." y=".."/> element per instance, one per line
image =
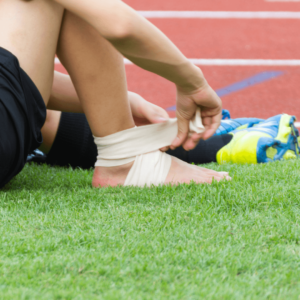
<point x="30" y="31"/>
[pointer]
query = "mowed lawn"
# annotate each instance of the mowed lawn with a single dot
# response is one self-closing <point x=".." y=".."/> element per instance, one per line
<point x="62" y="239"/>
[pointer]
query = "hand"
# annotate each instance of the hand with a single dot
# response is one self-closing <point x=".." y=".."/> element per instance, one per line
<point x="211" y="114"/>
<point x="144" y="112"/>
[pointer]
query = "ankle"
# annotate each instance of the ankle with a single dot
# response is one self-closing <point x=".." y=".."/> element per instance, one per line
<point x="110" y="176"/>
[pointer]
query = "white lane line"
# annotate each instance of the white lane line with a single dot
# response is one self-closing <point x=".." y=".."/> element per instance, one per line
<point x="240" y="62"/>
<point x="222" y="14"/>
<point x="233" y="62"/>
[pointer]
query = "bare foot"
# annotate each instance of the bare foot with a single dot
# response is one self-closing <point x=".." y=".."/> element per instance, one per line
<point x="180" y="172"/>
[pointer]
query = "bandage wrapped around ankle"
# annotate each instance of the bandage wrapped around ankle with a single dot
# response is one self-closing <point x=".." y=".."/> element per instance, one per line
<point x="141" y="145"/>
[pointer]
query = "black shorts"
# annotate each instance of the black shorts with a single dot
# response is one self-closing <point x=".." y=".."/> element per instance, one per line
<point x="22" y="115"/>
<point x="74" y="143"/>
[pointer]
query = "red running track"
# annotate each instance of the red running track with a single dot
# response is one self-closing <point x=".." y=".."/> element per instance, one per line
<point x="234" y="38"/>
<point x="214" y="5"/>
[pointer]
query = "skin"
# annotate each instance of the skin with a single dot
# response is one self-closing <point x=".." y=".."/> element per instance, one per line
<point x="32" y="32"/>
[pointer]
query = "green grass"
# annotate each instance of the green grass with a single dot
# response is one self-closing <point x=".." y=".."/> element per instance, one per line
<point x="62" y="239"/>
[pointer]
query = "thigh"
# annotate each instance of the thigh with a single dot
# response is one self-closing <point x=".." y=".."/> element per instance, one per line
<point x="30" y="30"/>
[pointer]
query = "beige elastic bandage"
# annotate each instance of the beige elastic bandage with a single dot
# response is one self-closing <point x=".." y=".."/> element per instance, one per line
<point x="141" y="144"/>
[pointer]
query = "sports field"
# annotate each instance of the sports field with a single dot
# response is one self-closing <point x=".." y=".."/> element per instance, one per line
<point x="63" y="239"/>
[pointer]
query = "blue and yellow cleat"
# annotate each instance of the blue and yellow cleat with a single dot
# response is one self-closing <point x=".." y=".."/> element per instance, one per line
<point x="236" y="124"/>
<point x="270" y="140"/>
<point x="225" y="114"/>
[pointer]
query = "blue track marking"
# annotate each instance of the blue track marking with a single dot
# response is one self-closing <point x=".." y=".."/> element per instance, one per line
<point x="235" y="87"/>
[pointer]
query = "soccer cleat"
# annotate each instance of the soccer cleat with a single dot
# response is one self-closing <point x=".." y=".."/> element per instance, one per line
<point x="225" y="114"/>
<point x="236" y="124"/>
<point x="273" y="139"/>
<point x="36" y="156"/>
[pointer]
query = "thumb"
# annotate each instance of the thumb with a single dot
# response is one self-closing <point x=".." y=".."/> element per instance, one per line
<point x="156" y="115"/>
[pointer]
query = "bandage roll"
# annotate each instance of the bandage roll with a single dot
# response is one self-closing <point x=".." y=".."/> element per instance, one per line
<point x="122" y="147"/>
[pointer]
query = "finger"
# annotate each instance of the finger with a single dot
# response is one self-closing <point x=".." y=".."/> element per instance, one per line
<point x="164" y="149"/>
<point x="214" y="125"/>
<point x="189" y="144"/>
<point x="196" y="137"/>
<point x="192" y="141"/>
<point x="183" y="130"/>
<point x="210" y="131"/>
<point x="206" y="121"/>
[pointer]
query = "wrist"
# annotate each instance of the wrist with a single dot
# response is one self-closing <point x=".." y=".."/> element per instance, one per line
<point x="192" y="79"/>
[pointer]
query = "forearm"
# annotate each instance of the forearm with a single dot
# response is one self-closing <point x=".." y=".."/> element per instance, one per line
<point x="137" y="39"/>
<point x="64" y="96"/>
<point x="146" y="46"/>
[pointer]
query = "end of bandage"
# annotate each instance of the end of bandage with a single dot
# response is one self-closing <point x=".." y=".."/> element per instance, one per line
<point x="196" y="125"/>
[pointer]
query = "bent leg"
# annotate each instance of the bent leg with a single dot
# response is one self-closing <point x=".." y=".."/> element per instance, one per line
<point x="98" y="74"/>
<point x="30" y="30"/>
<point x="28" y="39"/>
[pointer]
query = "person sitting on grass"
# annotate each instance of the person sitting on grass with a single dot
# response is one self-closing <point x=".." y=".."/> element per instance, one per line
<point x="80" y="31"/>
<point x="68" y="140"/>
